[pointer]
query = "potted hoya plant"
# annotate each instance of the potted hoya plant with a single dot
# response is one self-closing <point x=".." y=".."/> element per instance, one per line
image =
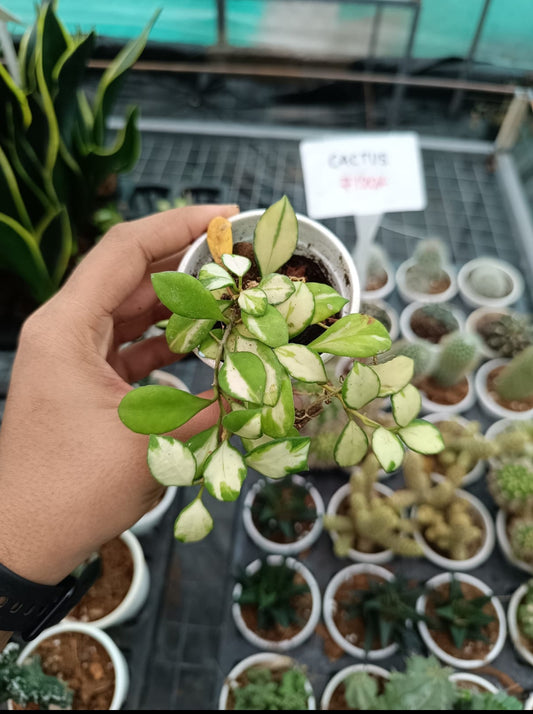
<point x="265" y="319"/>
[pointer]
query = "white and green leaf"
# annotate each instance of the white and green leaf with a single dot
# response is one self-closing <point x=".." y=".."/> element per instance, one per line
<point x="210" y="345"/>
<point x="278" y="419"/>
<point x="193" y="523"/>
<point x="275" y="373"/>
<point x="213" y="277"/>
<point x="353" y="336"/>
<point x="183" y="334"/>
<point x="253" y="301"/>
<point x="275" y="236"/>
<point x="202" y="446"/>
<point x="277" y="287"/>
<point x="351" y="446"/>
<point x="406" y="405"/>
<point x="244" y="422"/>
<point x="185" y="295"/>
<point x="422" y="436"/>
<point x="360" y="386"/>
<point x="394" y="375"/>
<point x="237" y="264"/>
<point x="280" y="457"/>
<point x="224" y="473"/>
<point x="171" y="463"/>
<point x="298" y="310"/>
<point x="243" y="377"/>
<point x="387" y="448"/>
<point x="302" y="363"/>
<point x="269" y="328"/>
<point x="328" y="302"/>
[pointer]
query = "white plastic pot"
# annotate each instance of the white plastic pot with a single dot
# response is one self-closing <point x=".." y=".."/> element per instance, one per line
<point x="484" y="552"/>
<point x="472" y="678"/>
<point x="137" y="594"/>
<point x="343" y="674"/>
<point x="358" y="556"/>
<point x="314" y="241"/>
<point x="309" y="627"/>
<point x="394" y="331"/>
<point x="512" y="622"/>
<point x="122" y="679"/>
<point x="490" y="406"/>
<point x="409" y="295"/>
<point x="473" y="320"/>
<point x="474" y="299"/>
<point x="385" y="290"/>
<point x="329" y="609"/>
<point x="260" y="659"/>
<point x="270" y="546"/>
<point x="505" y="545"/>
<point x="441" y="654"/>
<point x="407" y="313"/>
<point x="474" y="474"/>
<point x="429" y="406"/>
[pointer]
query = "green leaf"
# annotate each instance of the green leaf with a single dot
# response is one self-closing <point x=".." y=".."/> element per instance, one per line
<point x="185" y="295"/>
<point x="298" y="310"/>
<point x="238" y="264"/>
<point x="280" y="457"/>
<point x="278" y="419"/>
<point x="275" y="236"/>
<point x="275" y="373"/>
<point x="243" y="376"/>
<point x="224" y="473"/>
<point x="361" y="691"/>
<point x="202" y="446"/>
<point x="406" y="405"/>
<point x="269" y="328"/>
<point x="387" y="448"/>
<point x="328" y="302"/>
<point x="253" y="301"/>
<point x="394" y="375"/>
<point x="244" y="422"/>
<point x="193" y="523"/>
<point x="213" y="276"/>
<point x="251" y="444"/>
<point x="351" y="446"/>
<point x="277" y="287"/>
<point x="209" y="346"/>
<point x="183" y="334"/>
<point x="170" y="462"/>
<point x="157" y="409"/>
<point x="353" y="336"/>
<point x="302" y="363"/>
<point x="361" y="386"/>
<point x="422" y="436"/>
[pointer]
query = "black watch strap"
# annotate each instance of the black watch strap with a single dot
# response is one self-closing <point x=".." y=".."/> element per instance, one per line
<point x="28" y="608"/>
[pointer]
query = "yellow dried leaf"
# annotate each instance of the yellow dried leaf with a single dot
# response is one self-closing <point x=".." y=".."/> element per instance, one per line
<point x="219" y="238"/>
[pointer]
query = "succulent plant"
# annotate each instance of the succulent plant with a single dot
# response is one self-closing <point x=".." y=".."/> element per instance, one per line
<point x="507" y="335"/>
<point x="511" y="486"/>
<point x="283" y="507"/>
<point x="458" y="356"/>
<point x="465" y="446"/>
<point x="525" y="611"/>
<point x="272" y="689"/>
<point x="515" y="381"/>
<point x="489" y="281"/>
<point x="430" y="258"/>
<point x="521" y="538"/>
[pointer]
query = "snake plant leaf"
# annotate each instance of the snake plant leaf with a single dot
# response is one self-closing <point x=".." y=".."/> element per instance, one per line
<point x="214" y="276"/>
<point x="55" y="243"/>
<point x="12" y="201"/>
<point x="183" y="334"/>
<point x="68" y="73"/>
<point x="194" y="523"/>
<point x="280" y="457"/>
<point x="157" y="409"/>
<point x="302" y="363"/>
<point x="422" y="436"/>
<point x="353" y="336"/>
<point x="351" y="446"/>
<point x="278" y="419"/>
<point x="225" y="472"/>
<point x="361" y="386"/>
<point x="394" y="375"/>
<point x="170" y="462"/>
<point x="243" y="377"/>
<point x="275" y="236"/>
<point x="244" y="422"/>
<point x="202" y="446"/>
<point x="269" y="328"/>
<point x="210" y="346"/>
<point x="52" y="40"/>
<point x="185" y="295"/>
<point x="387" y="448"/>
<point x="406" y="405"/>
<point x="328" y="302"/>
<point x="298" y="310"/>
<point x="237" y="264"/>
<point x="253" y="302"/>
<point x="12" y="96"/>
<point x="277" y="288"/>
<point x="274" y="371"/>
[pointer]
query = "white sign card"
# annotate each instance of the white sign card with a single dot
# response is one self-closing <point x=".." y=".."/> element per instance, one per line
<point x="363" y="174"/>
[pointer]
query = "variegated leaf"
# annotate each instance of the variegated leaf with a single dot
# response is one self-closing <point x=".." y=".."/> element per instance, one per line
<point x="170" y="462"/>
<point x="194" y="523"/>
<point x="387" y="448"/>
<point x="277" y="287"/>
<point x="251" y="444"/>
<point x="353" y="336"/>
<point x="360" y="386"/>
<point x="394" y="374"/>
<point x="302" y="363"/>
<point x="238" y="264"/>
<point x="406" y="405"/>
<point x="213" y="277"/>
<point x="298" y="310"/>
<point x="253" y="301"/>
<point x="224" y="473"/>
<point x="273" y="369"/>
<point x="351" y="446"/>
<point x="243" y="376"/>
<point x="202" y="446"/>
<point x="209" y="346"/>
<point x="183" y="334"/>
<point x="275" y="236"/>
<point x="277" y="420"/>
<point x="422" y="436"/>
<point x="269" y="328"/>
<point x="328" y="302"/>
<point x="280" y="457"/>
<point x="244" y="422"/>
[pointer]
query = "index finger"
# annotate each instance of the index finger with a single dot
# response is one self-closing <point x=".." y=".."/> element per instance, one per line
<point x="112" y="270"/>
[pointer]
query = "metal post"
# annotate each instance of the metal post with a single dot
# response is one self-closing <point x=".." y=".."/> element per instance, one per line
<point x="403" y="71"/>
<point x="221" y="24"/>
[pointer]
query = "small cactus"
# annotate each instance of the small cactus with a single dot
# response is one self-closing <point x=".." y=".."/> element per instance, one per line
<point x="525" y="612"/>
<point x="459" y="355"/>
<point x="430" y="256"/>
<point x="377" y="262"/>
<point x="511" y="486"/>
<point x="419" y="351"/>
<point x="521" y="538"/>
<point x="435" y="319"/>
<point x="507" y="335"/>
<point x="515" y="381"/>
<point x="490" y="281"/>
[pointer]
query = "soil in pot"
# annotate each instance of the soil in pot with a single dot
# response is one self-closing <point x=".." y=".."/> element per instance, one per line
<point x="83" y="663"/>
<point x="471" y="649"/>
<point x="111" y="587"/>
<point x="427" y="327"/>
<point x="515" y="405"/>
<point x="376" y="281"/>
<point x="436" y="286"/>
<point x="338" y="698"/>
<point x="353" y="628"/>
<point x="443" y="395"/>
<point x="281" y="526"/>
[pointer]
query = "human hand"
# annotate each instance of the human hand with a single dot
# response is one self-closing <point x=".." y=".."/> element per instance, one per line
<point x="72" y="476"/>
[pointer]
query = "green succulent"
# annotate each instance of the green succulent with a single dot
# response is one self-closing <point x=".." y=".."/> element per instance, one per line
<point x="525" y="611"/>
<point x="283" y="507"/>
<point x="266" y="690"/>
<point x="459" y="354"/>
<point x="521" y="538"/>
<point x="515" y="381"/>
<point x="511" y="486"/>
<point x="507" y="335"/>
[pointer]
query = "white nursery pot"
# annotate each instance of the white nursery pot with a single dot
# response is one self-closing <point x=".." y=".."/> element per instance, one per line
<point x="260" y="658"/>
<point x="512" y="621"/>
<point x="122" y="679"/>
<point x="394" y="331"/>
<point x="408" y="312"/>
<point x="358" y="556"/>
<point x="344" y="673"/>
<point x="329" y="607"/>
<point x="490" y="406"/>
<point x="137" y="594"/>
<point x="475" y="473"/>
<point x="409" y="295"/>
<point x="464" y="405"/>
<point x="473" y="320"/>
<point x="441" y="654"/>
<point x="474" y="299"/>
<point x="309" y="627"/>
<point x="505" y="545"/>
<point x="385" y="290"/>
<point x="314" y="241"/>
<point x="474" y="679"/>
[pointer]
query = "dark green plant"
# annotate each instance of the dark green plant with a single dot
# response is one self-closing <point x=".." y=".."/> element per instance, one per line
<point x="388" y="609"/>
<point x="271" y="589"/>
<point x="27" y="683"/>
<point x="508" y="334"/>
<point x="266" y="690"/>
<point x="525" y="612"/>
<point x="463" y="618"/>
<point x="468" y="699"/>
<point x="282" y="506"/>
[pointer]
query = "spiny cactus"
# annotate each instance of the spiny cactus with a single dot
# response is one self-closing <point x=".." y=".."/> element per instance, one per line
<point x="521" y="538"/>
<point x="419" y="351"/>
<point x="376" y="269"/>
<point x="490" y="281"/>
<point x="459" y="355"/>
<point x="465" y="446"/>
<point x="525" y="611"/>
<point x="515" y="381"/>
<point x="515" y="440"/>
<point x="511" y="486"/>
<point x="429" y="257"/>
<point x="507" y="335"/>
<point x="451" y="530"/>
